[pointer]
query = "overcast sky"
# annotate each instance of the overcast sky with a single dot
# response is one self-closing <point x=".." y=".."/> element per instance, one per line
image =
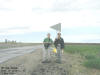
<point x="30" y="20"/>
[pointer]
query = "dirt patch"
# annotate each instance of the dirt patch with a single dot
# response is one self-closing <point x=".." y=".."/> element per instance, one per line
<point x="49" y="69"/>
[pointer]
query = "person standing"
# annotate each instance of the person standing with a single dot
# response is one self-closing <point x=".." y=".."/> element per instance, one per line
<point x="59" y="44"/>
<point x="46" y="51"/>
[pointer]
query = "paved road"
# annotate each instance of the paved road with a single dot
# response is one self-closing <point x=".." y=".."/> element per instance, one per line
<point x="6" y="54"/>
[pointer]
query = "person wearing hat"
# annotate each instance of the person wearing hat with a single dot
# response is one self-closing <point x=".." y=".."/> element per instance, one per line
<point x="59" y="44"/>
<point x="46" y="51"/>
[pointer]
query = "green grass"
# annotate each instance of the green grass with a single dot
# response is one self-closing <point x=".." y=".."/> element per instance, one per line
<point x="92" y="63"/>
<point x="90" y="52"/>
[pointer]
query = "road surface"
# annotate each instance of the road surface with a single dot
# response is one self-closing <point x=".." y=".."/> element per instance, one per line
<point x="6" y="54"/>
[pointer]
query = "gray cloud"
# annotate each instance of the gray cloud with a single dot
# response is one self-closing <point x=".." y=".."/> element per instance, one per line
<point x="70" y="5"/>
<point x="58" y="5"/>
<point x="75" y="5"/>
<point x="62" y="5"/>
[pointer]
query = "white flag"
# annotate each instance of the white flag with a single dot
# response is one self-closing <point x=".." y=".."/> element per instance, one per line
<point x="57" y="27"/>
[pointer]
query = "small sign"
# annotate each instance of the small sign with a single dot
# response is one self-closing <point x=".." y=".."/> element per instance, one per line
<point x="57" y="27"/>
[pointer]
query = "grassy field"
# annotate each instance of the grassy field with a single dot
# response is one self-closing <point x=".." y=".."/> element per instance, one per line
<point x="91" y="53"/>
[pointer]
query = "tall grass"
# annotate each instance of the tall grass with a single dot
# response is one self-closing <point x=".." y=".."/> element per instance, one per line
<point x="90" y="52"/>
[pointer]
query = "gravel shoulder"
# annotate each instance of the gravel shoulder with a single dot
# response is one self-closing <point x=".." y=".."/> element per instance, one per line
<point x="30" y="64"/>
